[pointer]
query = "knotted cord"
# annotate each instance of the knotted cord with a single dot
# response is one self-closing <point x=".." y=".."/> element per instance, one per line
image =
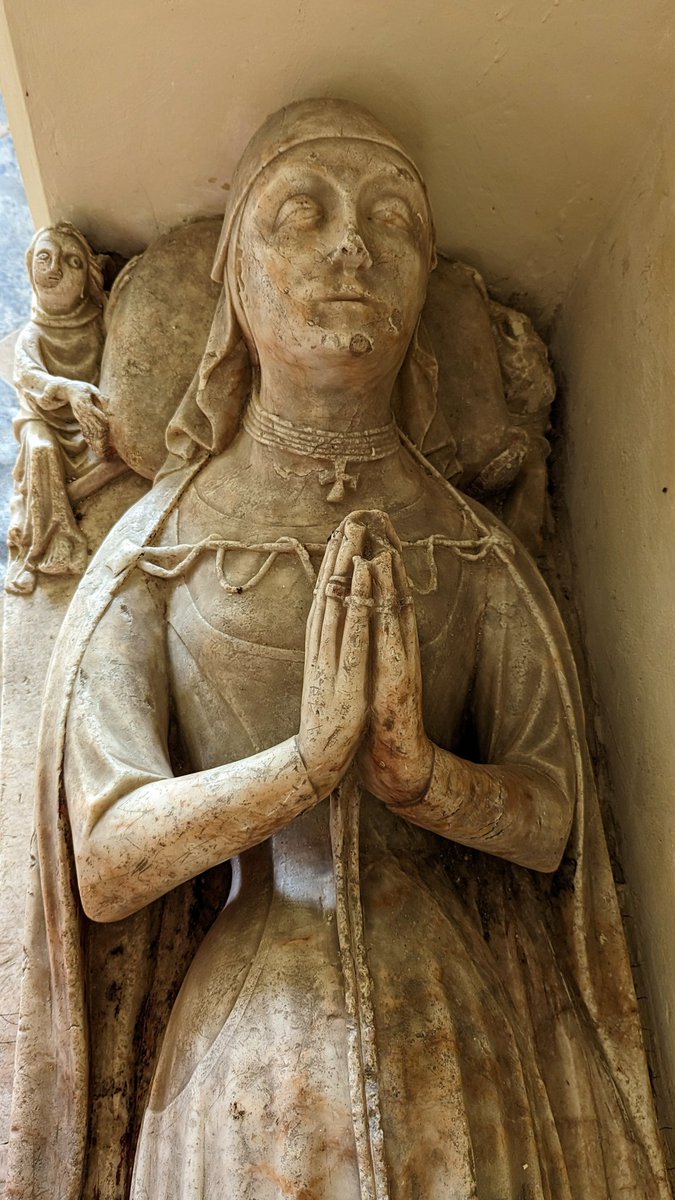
<point x="169" y="562"/>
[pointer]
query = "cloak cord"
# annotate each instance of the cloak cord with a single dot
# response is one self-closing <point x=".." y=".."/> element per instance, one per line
<point x="361" y="1041"/>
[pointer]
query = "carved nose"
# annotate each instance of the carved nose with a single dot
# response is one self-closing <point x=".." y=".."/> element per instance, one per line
<point x="351" y="250"/>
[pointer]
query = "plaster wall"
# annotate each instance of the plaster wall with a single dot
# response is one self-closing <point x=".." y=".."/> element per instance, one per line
<point x="525" y="115"/>
<point x="616" y="346"/>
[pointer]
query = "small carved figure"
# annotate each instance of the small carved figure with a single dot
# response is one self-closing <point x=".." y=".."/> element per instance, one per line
<point x="61" y="424"/>
<point x="322" y="905"/>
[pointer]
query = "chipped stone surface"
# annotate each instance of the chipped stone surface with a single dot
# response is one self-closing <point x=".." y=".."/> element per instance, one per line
<point x="325" y="907"/>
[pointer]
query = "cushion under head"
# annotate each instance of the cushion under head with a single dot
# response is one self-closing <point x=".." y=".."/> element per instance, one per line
<point x="159" y="316"/>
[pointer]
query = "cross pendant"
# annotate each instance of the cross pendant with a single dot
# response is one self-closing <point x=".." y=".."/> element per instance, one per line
<point x="338" y="477"/>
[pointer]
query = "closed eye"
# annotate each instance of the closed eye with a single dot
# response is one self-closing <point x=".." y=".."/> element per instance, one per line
<point x="394" y="211"/>
<point x="302" y="211"/>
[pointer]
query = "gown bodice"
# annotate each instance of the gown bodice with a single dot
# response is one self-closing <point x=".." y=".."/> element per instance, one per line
<point x="471" y="1055"/>
<point x="263" y="1013"/>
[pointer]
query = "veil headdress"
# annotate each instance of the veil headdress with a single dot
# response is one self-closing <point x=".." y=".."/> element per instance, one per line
<point x="208" y="416"/>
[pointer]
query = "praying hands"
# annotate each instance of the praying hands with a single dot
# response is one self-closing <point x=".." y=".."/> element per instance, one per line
<point x="362" y="695"/>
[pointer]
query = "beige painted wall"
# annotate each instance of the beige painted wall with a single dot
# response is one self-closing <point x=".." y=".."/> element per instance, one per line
<point x="616" y="343"/>
<point x="526" y="115"/>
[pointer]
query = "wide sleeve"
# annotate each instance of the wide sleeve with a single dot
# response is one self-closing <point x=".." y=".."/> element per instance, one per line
<point x="137" y="829"/>
<point x="39" y="391"/>
<point x="516" y="800"/>
<point x="519" y="702"/>
<point x="117" y="731"/>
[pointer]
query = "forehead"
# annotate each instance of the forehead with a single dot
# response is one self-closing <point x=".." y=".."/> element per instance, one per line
<point x="51" y="240"/>
<point x="343" y="162"/>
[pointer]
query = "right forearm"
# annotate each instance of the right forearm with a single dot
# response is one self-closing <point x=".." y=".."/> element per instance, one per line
<point x="169" y="830"/>
<point x="32" y="380"/>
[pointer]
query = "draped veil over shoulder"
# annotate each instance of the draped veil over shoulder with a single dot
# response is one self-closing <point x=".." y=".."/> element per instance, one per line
<point x="522" y="978"/>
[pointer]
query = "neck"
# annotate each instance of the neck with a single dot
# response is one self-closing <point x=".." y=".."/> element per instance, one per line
<point x="333" y="402"/>
<point x="333" y="451"/>
<point x="84" y="312"/>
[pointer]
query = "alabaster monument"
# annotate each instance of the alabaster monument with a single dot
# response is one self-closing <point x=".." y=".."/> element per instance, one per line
<point x="61" y="425"/>
<point x="320" y="904"/>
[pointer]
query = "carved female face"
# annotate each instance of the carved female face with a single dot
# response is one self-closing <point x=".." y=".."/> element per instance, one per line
<point x="59" y="272"/>
<point x="334" y="253"/>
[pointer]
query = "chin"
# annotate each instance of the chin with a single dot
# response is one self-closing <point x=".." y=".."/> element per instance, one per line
<point x="342" y="341"/>
<point x="55" y="304"/>
<point x="359" y="343"/>
<point x="381" y="333"/>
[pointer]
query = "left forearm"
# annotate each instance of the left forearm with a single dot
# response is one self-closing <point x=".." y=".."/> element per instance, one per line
<point x="514" y="812"/>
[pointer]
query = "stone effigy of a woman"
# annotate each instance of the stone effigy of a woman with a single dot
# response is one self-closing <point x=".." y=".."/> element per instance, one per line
<point x="322" y="907"/>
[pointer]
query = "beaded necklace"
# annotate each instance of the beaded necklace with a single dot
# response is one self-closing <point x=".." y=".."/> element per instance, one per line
<point x="336" y="446"/>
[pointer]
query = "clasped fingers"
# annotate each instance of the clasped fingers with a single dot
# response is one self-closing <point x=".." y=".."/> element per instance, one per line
<point x="335" y="694"/>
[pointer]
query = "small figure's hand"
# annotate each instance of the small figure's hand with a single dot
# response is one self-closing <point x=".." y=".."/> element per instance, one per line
<point x="335" y="691"/>
<point x="88" y="407"/>
<point x="396" y="758"/>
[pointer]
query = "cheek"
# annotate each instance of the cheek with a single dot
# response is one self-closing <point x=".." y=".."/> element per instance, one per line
<point x="73" y="277"/>
<point x="401" y="272"/>
<point x="41" y="284"/>
<point x="272" y="284"/>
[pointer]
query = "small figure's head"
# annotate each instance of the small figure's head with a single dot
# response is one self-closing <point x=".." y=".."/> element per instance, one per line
<point x="63" y="270"/>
